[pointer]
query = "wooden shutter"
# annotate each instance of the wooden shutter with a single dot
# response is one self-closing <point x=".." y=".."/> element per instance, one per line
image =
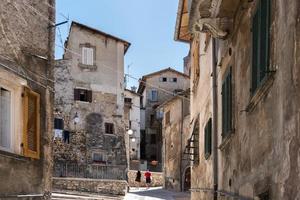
<point x="31" y="126"/>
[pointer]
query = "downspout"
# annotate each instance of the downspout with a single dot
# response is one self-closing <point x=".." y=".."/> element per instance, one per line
<point x="181" y="137"/>
<point x="214" y="121"/>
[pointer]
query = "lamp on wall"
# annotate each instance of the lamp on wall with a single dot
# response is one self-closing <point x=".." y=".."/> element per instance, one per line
<point x="76" y="119"/>
<point x="133" y="139"/>
<point x="130" y="132"/>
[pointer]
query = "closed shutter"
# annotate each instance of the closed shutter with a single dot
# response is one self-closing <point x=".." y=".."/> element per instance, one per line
<point x="84" y="55"/>
<point x="227" y="104"/>
<point x="89" y="96"/>
<point x="207" y="138"/>
<point x="31" y="126"/>
<point x="76" y="94"/>
<point x="90" y="56"/>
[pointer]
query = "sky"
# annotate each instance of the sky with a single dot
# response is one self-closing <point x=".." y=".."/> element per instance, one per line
<point x="148" y="25"/>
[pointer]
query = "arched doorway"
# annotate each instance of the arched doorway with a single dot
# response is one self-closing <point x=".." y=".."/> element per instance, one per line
<point x="187" y="179"/>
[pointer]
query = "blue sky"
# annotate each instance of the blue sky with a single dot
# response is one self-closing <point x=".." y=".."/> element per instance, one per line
<point x="147" y="24"/>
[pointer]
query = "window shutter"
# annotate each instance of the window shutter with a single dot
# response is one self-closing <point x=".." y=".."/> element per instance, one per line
<point x="31" y="126"/>
<point x="89" y="96"/>
<point x="90" y="56"/>
<point x="256" y="49"/>
<point x="76" y="94"/>
<point x="84" y="55"/>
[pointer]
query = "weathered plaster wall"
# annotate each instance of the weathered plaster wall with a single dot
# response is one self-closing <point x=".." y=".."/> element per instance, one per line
<point x="24" y="34"/>
<point x="262" y="152"/>
<point x="175" y="136"/>
<point x="150" y="107"/>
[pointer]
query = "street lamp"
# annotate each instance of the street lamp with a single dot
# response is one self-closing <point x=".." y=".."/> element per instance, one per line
<point x="130" y="132"/>
<point x="133" y="139"/>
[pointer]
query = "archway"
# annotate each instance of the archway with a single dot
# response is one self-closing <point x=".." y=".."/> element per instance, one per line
<point x="187" y="179"/>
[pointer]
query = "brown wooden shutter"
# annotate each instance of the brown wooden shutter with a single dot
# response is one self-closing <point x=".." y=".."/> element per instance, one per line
<point x="31" y="126"/>
<point x="89" y="96"/>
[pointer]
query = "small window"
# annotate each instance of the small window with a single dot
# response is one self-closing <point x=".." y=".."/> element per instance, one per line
<point x="153" y="95"/>
<point x="87" y="56"/>
<point x="207" y="138"/>
<point x="99" y="157"/>
<point x="153" y="138"/>
<point x="109" y="128"/>
<point x="83" y="95"/>
<point x="164" y="79"/>
<point x="174" y="80"/>
<point x="227" y="105"/>
<point x="58" y="124"/>
<point x="167" y="117"/>
<point x="127" y="100"/>
<point x="5" y="118"/>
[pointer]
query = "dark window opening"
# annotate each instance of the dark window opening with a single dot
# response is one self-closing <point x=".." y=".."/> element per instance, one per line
<point x="58" y="124"/>
<point x="227" y="105"/>
<point x="174" y="80"/>
<point x="153" y="138"/>
<point x="128" y="100"/>
<point x="82" y="95"/>
<point x="164" y="79"/>
<point x="109" y="128"/>
<point x="260" y="43"/>
<point x="207" y="138"/>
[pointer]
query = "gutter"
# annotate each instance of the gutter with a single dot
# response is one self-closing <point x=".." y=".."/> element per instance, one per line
<point x="214" y="121"/>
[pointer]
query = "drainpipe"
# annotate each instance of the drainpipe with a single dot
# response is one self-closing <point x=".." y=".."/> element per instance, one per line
<point x="214" y="121"/>
<point x="181" y="137"/>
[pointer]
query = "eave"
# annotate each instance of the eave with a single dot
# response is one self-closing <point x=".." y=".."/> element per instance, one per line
<point x="182" y="32"/>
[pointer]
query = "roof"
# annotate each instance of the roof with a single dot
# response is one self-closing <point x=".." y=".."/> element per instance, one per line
<point x="182" y="22"/>
<point x="132" y="92"/>
<point x="185" y="94"/>
<point x="144" y="78"/>
<point x="126" y="44"/>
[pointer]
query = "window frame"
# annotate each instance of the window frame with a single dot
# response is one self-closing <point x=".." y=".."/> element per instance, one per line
<point x="12" y="116"/>
<point x="89" y="95"/>
<point x="259" y="77"/>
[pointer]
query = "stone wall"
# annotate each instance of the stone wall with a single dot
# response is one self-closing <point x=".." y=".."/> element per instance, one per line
<point x="27" y="53"/>
<point x="157" y="179"/>
<point x="113" y="187"/>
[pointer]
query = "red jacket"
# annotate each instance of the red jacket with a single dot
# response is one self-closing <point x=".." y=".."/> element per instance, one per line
<point x="148" y="175"/>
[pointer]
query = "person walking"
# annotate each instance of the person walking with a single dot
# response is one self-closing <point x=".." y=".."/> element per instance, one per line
<point x="148" y="178"/>
<point x="138" y="178"/>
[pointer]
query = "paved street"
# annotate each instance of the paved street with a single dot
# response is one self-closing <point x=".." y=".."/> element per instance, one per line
<point x="156" y="193"/>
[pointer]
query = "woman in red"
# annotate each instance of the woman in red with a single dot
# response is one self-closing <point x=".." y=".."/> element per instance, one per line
<point x="148" y="178"/>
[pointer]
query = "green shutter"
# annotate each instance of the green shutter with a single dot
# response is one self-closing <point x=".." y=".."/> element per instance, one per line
<point x="207" y="138"/>
<point x="227" y="104"/>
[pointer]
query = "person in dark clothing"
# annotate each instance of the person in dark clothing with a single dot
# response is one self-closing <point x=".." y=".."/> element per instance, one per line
<point x="138" y="178"/>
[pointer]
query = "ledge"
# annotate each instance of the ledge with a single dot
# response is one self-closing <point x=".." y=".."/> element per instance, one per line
<point x="87" y="67"/>
<point x="260" y="92"/>
<point x="13" y="156"/>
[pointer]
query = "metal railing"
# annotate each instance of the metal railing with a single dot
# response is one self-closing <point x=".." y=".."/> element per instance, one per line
<point x="93" y="171"/>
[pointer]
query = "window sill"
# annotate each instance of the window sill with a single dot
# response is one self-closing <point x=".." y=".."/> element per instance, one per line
<point x="14" y="156"/>
<point x="87" y="67"/>
<point x="226" y="141"/>
<point x="260" y="92"/>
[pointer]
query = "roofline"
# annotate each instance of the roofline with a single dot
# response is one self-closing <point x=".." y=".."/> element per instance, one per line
<point x="179" y="95"/>
<point x="126" y="44"/>
<point x="133" y="92"/>
<point x="163" y="70"/>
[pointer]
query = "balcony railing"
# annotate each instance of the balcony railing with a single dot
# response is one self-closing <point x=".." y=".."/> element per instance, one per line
<point x="93" y="171"/>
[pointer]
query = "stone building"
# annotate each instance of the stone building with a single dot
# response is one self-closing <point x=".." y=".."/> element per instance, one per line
<point x="89" y="105"/>
<point x="175" y="135"/>
<point x="132" y="119"/>
<point x="26" y="98"/>
<point x="245" y="97"/>
<point x="156" y="88"/>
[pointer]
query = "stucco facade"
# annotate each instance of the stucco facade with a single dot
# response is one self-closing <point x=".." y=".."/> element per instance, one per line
<point x="175" y="135"/>
<point x="257" y="159"/>
<point x="155" y="89"/>
<point x="26" y="98"/>
<point x="89" y="100"/>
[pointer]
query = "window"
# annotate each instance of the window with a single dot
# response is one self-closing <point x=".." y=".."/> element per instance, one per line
<point x="261" y="43"/>
<point x="99" y="157"/>
<point x="5" y="118"/>
<point x="87" y="56"/>
<point x="167" y="117"/>
<point x="31" y="126"/>
<point x="174" y="80"/>
<point x="83" y="95"/>
<point x="58" y="124"/>
<point x="163" y="79"/>
<point x="153" y="139"/>
<point x="153" y="95"/>
<point x="109" y="128"/>
<point x="207" y="138"/>
<point x="127" y="100"/>
<point x="227" y="105"/>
